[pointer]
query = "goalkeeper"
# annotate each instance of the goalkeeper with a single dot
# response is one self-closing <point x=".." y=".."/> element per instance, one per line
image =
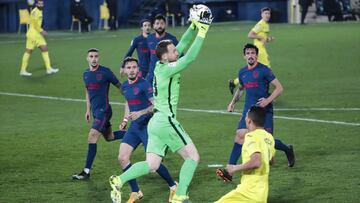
<point x="163" y="128"/>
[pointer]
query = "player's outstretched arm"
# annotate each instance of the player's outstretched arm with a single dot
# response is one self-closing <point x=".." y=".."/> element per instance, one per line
<point x="253" y="163"/>
<point x="189" y="57"/>
<point x="192" y="53"/>
<point x="186" y="39"/>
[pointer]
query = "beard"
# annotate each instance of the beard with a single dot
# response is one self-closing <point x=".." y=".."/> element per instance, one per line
<point x="132" y="78"/>
<point x="160" y="31"/>
<point x="251" y="61"/>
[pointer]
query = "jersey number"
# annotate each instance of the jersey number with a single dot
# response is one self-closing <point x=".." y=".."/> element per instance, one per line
<point x="155" y="87"/>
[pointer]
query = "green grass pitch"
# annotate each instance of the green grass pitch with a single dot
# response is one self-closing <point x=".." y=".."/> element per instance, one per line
<point x="43" y="141"/>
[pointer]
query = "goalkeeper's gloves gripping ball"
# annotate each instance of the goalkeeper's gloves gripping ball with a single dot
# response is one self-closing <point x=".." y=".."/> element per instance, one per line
<point x="203" y="29"/>
<point x="201" y="17"/>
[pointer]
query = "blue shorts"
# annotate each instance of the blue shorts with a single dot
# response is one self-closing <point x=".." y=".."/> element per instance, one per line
<point x="136" y="134"/>
<point x="101" y="122"/>
<point x="269" y="121"/>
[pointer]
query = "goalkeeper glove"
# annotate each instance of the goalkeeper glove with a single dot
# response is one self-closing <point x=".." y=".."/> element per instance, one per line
<point x="203" y="28"/>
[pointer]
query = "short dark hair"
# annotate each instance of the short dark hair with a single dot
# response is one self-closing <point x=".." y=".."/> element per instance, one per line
<point x="128" y="59"/>
<point x="159" y="17"/>
<point x="265" y="9"/>
<point x="93" y="50"/>
<point x="250" y="46"/>
<point x="257" y="114"/>
<point x="143" y="21"/>
<point x="161" y="47"/>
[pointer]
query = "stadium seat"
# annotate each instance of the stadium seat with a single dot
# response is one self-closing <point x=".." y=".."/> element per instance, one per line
<point x="24" y="18"/>
<point x="355" y="6"/>
<point x="173" y="11"/>
<point x="104" y="16"/>
<point x="75" y="20"/>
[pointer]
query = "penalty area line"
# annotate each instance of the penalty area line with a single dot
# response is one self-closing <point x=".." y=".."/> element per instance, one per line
<point x="197" y="110"/>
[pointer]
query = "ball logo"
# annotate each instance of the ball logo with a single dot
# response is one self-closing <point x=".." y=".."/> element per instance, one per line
<point x="256" y="74"/>
<point x="99" y="77"/>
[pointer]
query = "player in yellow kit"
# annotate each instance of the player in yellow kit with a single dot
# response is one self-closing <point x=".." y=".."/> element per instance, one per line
<point x="35" y="38"/>
<point x="260" y="34"/>
<point x="257" y="155"/>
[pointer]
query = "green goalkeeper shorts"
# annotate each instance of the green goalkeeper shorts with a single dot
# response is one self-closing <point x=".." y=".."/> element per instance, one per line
<point x="165" y="132"/>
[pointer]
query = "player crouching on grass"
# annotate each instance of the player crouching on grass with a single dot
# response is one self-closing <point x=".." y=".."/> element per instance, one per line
<point x="258" y="155"/>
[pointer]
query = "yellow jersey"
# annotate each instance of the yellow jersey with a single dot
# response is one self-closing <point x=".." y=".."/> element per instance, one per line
<point x="262" y="29"/>
<point x="36" y="17"/>
<point x="254" y="183"/>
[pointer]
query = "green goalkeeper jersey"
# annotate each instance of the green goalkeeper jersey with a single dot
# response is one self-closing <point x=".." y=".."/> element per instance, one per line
<point x="167" y="76"/>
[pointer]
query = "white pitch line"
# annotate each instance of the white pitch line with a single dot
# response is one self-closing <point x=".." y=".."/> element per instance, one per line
<point x="318" y="109"/>
<point x="97" y="35"/>
<point x="193" y="110"/>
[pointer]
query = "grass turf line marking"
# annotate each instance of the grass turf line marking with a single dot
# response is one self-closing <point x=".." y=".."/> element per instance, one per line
<point x="196" y="110"/>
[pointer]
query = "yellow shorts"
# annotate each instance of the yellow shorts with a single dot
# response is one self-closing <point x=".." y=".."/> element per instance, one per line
<point x="263" y="57"/>
<point x="32" y="42"/>
<point x="235" y="196"/>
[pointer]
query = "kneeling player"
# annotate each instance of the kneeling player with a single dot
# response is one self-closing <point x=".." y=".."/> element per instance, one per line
<point x="258" y="154"/>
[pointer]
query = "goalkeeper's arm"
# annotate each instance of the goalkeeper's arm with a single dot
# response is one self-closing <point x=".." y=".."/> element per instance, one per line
<point x="186" y="39"/>
<point x="189" y="57"/>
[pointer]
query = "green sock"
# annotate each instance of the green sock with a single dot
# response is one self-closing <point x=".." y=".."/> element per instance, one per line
<point x="186" y="174"/>
<point x="136" y="170"/>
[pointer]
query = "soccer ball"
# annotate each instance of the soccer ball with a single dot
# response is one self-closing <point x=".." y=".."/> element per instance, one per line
<point x="201" y="13"/>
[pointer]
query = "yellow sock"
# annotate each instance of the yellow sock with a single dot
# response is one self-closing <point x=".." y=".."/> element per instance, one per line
<point x="46" y="58"/>
<point x="236" y="81"/>
<point x="25" y="61"/>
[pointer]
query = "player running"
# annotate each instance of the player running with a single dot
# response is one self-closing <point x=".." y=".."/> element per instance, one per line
<point x="97" y="81"/>
<point x="165" y="132"/>
<point x="139" y="109"/>
<point x="255" y="78"/>
<point x="140" y="44"/>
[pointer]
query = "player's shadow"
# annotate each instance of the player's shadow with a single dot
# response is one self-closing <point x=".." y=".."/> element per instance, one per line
<point x="39" y="72"/>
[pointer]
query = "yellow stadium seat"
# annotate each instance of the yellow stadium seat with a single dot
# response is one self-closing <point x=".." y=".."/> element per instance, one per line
<point x="75" y="20"/>
<point x="24" y="18"/>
